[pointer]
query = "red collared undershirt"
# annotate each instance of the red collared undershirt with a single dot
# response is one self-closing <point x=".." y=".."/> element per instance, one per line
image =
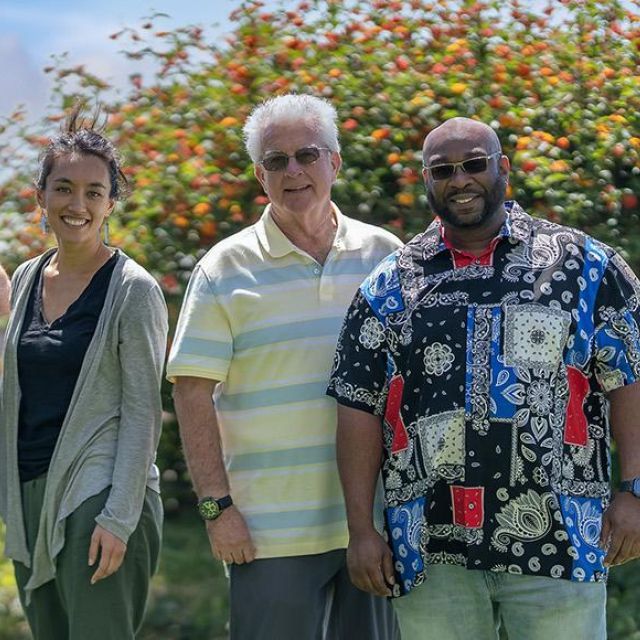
<point x="465" y="259"/>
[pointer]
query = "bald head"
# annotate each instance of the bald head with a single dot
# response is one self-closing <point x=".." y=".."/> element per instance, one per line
<point x="462" y="130"/>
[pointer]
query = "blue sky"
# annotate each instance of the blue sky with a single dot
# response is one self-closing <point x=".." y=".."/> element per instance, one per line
<point x="32" y="30"/>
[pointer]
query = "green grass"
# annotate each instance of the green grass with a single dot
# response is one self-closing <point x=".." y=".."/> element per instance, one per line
<point x="189" y="598"/>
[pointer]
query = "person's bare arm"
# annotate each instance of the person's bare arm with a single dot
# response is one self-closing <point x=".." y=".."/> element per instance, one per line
<point x="5" y="290"/>
<point x="621" y="522"/>
<point x="228" y="534"/>
<point x="359" y="454"/>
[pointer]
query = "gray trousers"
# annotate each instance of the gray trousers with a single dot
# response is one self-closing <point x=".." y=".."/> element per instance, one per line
<point x="69" y="607"/>
<point x="305" y="598"/>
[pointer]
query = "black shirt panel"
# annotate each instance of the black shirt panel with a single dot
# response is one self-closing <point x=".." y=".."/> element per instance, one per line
<point x="491" y="379"/>
<point x="50" y="357"/>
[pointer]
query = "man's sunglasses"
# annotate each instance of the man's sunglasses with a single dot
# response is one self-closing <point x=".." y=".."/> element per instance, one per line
<point x="279" y="161"/>
<point x="472" y="165"/>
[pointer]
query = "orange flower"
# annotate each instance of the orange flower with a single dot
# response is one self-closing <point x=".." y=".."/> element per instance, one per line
<point x="380" y="134"/>
<point x="558" y="166"/>
<point x="543" y="135"/>
<point x="202" y="208"/>
<point x="208" y="229"/>
<point x="229" y="121"/>
<point x="393" y="158"/>
<point x="181" y="221"/>
<point x="405" y="199"/>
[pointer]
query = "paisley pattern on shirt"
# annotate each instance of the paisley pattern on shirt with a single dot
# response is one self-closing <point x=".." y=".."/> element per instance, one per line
<point x="491" y="385"/>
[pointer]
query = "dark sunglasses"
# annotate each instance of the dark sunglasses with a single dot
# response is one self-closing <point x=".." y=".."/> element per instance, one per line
<point x="472" y="165"/>
<point x="279" y="161"/>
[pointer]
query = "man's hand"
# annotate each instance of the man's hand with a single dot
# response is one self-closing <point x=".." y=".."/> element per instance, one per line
<point x="229" y="537"/>
<point x="111" y="550"/>
<point x="621" y="529"/>
<point x="370" y="563"/>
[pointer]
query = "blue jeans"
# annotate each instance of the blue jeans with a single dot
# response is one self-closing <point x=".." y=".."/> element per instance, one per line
<point x="459" y="604"/>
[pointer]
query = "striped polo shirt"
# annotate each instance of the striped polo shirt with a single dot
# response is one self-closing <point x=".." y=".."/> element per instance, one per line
<point x="263" y="317"/>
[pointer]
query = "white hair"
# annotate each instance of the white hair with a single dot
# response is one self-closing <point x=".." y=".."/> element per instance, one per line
<point x="318" y="113"/>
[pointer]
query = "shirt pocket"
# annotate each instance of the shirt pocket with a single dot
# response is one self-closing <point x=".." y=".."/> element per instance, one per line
<point x="527" y="347"/>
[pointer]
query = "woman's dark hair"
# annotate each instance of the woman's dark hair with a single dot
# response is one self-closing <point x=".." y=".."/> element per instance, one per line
<point x="80" y="135"/>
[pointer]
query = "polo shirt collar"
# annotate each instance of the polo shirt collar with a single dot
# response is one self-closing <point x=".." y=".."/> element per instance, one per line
<point x="277" y="245"/>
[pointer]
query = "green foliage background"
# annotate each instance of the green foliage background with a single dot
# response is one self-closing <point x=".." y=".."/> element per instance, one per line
<point x="561" y="86"/>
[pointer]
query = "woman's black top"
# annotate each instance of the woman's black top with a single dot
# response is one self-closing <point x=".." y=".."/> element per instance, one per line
<point x="49" y="360"/>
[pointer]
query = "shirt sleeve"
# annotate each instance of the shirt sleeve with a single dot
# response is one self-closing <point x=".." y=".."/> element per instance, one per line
<point x="142" y="348"/>
<point x="203" y="343"/>
<point x="616" y="322"/>
<point x="358" y="379"/>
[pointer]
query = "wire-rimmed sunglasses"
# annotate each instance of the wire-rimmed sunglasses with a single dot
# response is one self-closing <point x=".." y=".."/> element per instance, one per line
<point x="473" y="165"/>
<point x="279" y="160"/>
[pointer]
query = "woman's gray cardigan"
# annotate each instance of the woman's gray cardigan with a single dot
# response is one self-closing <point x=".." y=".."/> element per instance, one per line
<point x="111" y="430"/>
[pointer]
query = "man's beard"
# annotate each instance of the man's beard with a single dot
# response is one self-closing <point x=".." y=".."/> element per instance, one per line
<point x="493" y="200"/>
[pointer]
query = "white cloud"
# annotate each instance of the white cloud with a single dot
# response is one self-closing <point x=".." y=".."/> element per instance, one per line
<point x="21" y="81"/>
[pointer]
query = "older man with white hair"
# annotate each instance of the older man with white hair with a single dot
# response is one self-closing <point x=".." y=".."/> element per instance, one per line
<point x="257" y="331"/>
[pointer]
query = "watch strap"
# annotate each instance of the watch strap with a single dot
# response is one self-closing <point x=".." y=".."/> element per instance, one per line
<point x="632" y="486"/>
<point x="224" y="502"/>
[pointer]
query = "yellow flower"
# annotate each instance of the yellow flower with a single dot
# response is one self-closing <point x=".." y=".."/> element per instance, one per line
<point x="458" y="88"/>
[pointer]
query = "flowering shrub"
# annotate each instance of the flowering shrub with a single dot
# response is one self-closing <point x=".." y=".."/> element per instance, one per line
<point x="562" y="89"/>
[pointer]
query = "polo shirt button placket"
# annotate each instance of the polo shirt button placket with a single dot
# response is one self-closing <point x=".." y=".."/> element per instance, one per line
<point x="323" y="291"/>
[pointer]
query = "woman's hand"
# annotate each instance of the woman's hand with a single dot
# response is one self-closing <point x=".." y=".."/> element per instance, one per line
<point x="111" y="550"/>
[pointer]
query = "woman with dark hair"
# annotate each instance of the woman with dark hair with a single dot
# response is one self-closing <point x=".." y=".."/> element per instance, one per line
<point x="81" y="408"/>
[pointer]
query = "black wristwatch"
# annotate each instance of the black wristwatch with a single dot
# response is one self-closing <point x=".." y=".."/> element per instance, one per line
<point x="632" y="486"/>
<point x="210" y="508"/>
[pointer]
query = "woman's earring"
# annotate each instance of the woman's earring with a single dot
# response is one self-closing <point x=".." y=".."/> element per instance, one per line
<point x="105" y="232"/>
<point x="44" y="225"/>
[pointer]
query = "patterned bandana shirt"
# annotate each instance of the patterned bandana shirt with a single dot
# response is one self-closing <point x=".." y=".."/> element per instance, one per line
<point x="491" y="379"/>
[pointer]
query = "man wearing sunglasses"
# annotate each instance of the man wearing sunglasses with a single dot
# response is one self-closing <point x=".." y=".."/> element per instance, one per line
<point x="484" y="367"/>
<point x="257" y="330"/>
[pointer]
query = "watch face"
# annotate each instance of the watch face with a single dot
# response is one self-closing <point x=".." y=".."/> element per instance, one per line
<point x="635" y="487"/>
<point x="209" y="509"/>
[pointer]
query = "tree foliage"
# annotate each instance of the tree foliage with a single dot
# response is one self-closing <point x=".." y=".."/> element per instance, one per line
<point x="561" y="87"/>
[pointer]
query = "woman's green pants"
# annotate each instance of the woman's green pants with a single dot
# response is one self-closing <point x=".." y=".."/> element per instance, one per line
<point x="69" y="607"/>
